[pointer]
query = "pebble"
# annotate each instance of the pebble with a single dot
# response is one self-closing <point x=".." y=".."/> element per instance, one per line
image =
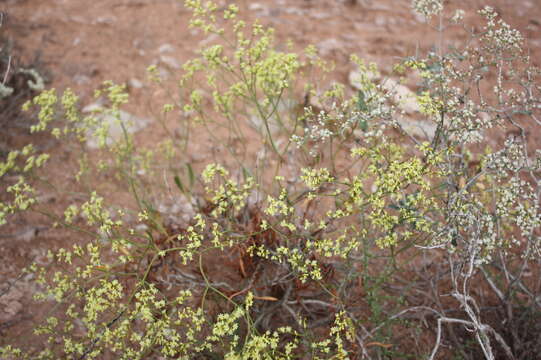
<point x="260" y="9"/>
<point x="80" y="79"/>
<point x="417" y="128"/>
<point x="131" y="122"/>
<point x="166" y="48"/>
<point x="104" y="20"/>
<point x="403" y="96"/>
<point x="170" y="62"/>
<point x="135" y="83"/>
<point x="328" y="46"/>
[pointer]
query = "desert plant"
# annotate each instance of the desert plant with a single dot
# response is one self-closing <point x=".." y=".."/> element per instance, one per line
<point x="322" y="228"/>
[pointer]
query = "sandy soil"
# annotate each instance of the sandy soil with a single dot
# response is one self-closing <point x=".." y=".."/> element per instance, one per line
<point x="82" y="43"/>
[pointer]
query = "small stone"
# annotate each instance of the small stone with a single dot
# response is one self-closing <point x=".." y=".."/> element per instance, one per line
<point x="135" y="83"/>
<point x="380" y="20"/>
<point x="13" y="294"/>
<point x="402" y="95"/>
<point x="28" y="234"/>
<point x="184" y="208"/>
<point x="11" y="309"/>
<point x="320" y="16"/>
<point x="46" y="198"/>
<point x="355" y="77"/>
<point x="141" y="227"/>
<point x="9" y="304"/>
<point x="283" y="110"/>
<point x="326" y="47"/>
<point x="81" y="79"/>
<point x="166" y="48"/>
<point x="141" y="45"/>
<point x="164" y="74"/>
<point x="418" y="129"/>
<point x="260" y="9"/>
<point x="179" y="212"/>
<point x="40" y="257"/>
<point x="379" y="6"/>
<point x="419" y="17"/>
<point x="162" y="208"/>
<point x="75" y="19"/>
<point x="170" y="62"/>
<point x="131" y="123"/>
<point x="256" y="7"/>
<point x="95" y="106"/>
<point x="105" y="20"/>
<point x="294" y="11"/>
<point x="208" y="40"/>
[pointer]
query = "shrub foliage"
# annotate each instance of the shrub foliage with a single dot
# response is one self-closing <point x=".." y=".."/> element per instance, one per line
<point x="323" y="228"/>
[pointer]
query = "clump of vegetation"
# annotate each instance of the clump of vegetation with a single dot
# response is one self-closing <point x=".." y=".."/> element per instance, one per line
<point x="19" y="82"/>
<point x="320" y="230"/>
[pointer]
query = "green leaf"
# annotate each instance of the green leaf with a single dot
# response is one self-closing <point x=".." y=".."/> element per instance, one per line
<point x="361" y="101"/>
<point x="190" y="174"/>
<point x="179" y="184"/>
<point x="363" y="107"/>
<point x="363" y="124"/>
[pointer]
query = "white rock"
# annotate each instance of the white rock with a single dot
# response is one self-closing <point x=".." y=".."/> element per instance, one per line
<point x="294" y="11"/>
<point x="380" y="20"/>
<point x="9" y="304"/>
<point x="75" y="19"/>
<point x="170" y="62"/>
<point x="260" y="9"/>
<point x="80" y="79"/>
<point x="406" y="101"/>
<point x="164" y="74"/>
<point x="402" y="96"/>
<point x="135" y="83"/>
<point x="141" y="45"/>
<point x="131" y="123"/>
<point x="183" y="208"/>
<point x="28" y="234"/>
<point x="95" y="106"/>
<point x="162" y="208"/>
<point x="141" y="227"/>
<point x="208" y="40"/>
<point x="354" y="78"/>
<point x="178" y="212"/>
<point x="320" y="16"/>
<point x="166" y="48"/>
<point x="10" y="310"/>
<point x="284" y="110"/>
<point x="419" y="17"/>
<point x="417" y="128"/>
<point x="326" y="47"/>
<point x="105" y="20"/>
<point x="40" y="257"/>
<point x="378" y="5"/>
<point x="256" y="7"/>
